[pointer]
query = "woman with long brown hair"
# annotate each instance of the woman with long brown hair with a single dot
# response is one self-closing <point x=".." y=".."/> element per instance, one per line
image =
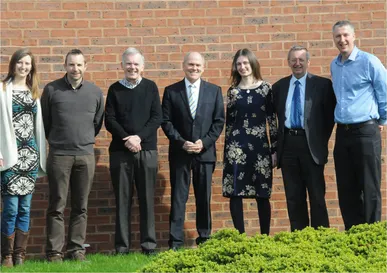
<point x="249" y="156"/>
<point x="22" y="153"/>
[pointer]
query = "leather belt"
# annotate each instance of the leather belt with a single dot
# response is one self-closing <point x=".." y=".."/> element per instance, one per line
<point x="356" y="125"/>
<point x="294" y="132"/>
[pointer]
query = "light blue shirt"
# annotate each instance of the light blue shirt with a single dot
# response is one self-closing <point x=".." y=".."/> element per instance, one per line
<point x="288" y="107"/>
<point x="360" y="85"/>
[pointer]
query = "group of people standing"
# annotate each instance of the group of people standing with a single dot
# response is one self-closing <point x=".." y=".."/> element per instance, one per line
<point x="286" y="125"/>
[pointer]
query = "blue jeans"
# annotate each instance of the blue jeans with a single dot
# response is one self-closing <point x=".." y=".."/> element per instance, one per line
<point x="16" y="213"/>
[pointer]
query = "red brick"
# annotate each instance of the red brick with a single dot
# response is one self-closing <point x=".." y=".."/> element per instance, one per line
<point x="193" y="13"/>
<point x="11" y="15"/>
<point x="49" y="24"/>
<point x="74" y="6"/>
<point x="35" y="15"/>
<point x="76" y="24"/>
<point x="19" y="24"/>
<point x="61" y="15"/>
<point x="62" y="33"/>
<point x="89" y="33"/>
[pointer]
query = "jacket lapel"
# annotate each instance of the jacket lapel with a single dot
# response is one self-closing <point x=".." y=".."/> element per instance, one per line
<point x="285" y="88"/>
<point x="201" y="97"/>
<point x="309" y="92"/>
<point x="183" y="93"/>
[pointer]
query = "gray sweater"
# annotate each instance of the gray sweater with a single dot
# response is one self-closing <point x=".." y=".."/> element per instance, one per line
<point x="72" y="117"/>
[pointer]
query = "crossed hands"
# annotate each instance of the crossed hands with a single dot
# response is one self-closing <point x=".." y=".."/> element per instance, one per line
<point x="193" y="148"/>
<point x="133" y="143"/>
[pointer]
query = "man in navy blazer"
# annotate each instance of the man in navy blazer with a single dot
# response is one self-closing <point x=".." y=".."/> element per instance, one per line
<point x="193" y="119"/>
<point x="303" y="147"/>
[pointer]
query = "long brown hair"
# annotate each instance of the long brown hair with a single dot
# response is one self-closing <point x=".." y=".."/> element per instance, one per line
<point x="235" y="77"/>
<point x="32" y="79"/>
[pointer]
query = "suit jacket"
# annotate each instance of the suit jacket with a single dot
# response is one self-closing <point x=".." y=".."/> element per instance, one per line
<point x="179" y="126"/>
<point x="319" y="108"/>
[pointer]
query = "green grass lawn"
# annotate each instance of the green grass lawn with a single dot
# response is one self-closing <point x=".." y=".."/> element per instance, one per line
<point x="95" y="263"/>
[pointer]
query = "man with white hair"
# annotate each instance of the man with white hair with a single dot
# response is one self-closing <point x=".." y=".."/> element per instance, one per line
<point x="133" y="114"/>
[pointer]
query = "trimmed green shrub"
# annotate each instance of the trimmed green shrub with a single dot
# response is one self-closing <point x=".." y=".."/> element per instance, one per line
<point x="361" y="249"/>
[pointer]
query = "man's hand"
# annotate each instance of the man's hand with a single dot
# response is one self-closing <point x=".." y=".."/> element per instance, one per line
<point x="133" y="143"/>
<point x="274" y="160"/>
<point x="199" y="146"/>
<point x="1" y="162"/>
<point x="381" y="127"/>
<point x="189" y="147"/>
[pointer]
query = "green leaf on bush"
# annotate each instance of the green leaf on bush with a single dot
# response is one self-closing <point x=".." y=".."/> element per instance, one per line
<point x="361" y="249"/>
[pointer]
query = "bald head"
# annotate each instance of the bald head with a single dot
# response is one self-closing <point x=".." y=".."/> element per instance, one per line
<point x="193" y="66"/>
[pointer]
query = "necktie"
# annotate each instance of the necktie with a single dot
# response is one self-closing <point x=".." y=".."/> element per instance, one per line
<point x="192" y="101"/>
<point x="295" y="116"/>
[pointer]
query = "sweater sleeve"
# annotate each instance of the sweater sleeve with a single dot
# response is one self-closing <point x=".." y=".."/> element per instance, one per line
<point x="98" y="118"/>
<point x="46" y="110"/>
<point x="155" y="119"/>
<point x="111" y="123"/>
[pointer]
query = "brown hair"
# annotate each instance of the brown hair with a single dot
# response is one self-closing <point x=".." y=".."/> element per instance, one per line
<point x="74" y="51"/>
<point x="32" y="79"/>
<point x="235" y="77"/>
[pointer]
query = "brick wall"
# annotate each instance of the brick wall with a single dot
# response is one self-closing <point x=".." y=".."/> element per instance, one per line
<point x="164" y="31"/>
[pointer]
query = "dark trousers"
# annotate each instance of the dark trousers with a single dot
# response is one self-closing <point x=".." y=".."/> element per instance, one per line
<point x="301" y="175"/>
<point x="76" y="173"/>
<point x="180" y="172"/>
<point x="128" y="169"/>
<point x="264" y="213"/>
<point x="357" y="157"/>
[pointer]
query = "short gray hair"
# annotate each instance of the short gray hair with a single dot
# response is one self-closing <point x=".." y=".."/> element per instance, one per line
<point x="298" y="48"/>
<point x="132" y="51"/>
<point x="189" y="53"/>
<point x="343" y="23"/>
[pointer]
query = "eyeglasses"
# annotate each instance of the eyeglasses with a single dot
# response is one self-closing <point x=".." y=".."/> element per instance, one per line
<point x="293" y="61"/>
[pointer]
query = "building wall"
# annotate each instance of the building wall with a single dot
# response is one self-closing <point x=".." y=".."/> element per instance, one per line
<point x="165" y="31"/>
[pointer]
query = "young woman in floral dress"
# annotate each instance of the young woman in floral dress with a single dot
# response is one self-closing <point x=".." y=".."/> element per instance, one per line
<point x="249" y="156"/>
<point x="22" y="153"/>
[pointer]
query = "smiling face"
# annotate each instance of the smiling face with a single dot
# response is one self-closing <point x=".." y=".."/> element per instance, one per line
<point x="298" y="63"/>
<point x="75" y="67"/>
<point x="133" y="66"/>
<point x="193" y="67"/>
<point x="243" y="66"/>
<point x="344" y="38"/>
<point x="23" y="67"/>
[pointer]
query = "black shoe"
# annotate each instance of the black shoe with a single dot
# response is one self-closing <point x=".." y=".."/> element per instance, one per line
<point x="174" y="248"/>
<point x="148" y="252"/>
<point x="201" y="240"/>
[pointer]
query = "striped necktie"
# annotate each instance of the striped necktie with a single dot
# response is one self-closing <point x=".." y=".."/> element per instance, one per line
<point x="192" y="100"/>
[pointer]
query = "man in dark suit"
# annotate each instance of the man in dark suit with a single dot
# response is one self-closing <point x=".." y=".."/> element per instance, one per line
<point x="193" y="119"/>
<point x="305" y="105"/>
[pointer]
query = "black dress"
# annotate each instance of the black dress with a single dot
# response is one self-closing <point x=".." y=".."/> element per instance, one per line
<point x="247" y="168"/>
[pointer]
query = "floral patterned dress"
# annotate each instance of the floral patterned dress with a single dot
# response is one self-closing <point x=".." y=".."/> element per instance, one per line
<point x="247" y="170"/>
<point x="20" y="179"/>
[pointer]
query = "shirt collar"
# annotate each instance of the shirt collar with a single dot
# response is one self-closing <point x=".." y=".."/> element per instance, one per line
<point x="130" y="85"/>
<point x="302" y="80"/>
<point x="69" y="84"/>
<point x="195" y="84"/>
<point x="351" y="57"/>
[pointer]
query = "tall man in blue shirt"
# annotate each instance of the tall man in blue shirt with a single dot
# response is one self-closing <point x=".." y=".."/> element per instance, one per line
<point x="360" y="85"/>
